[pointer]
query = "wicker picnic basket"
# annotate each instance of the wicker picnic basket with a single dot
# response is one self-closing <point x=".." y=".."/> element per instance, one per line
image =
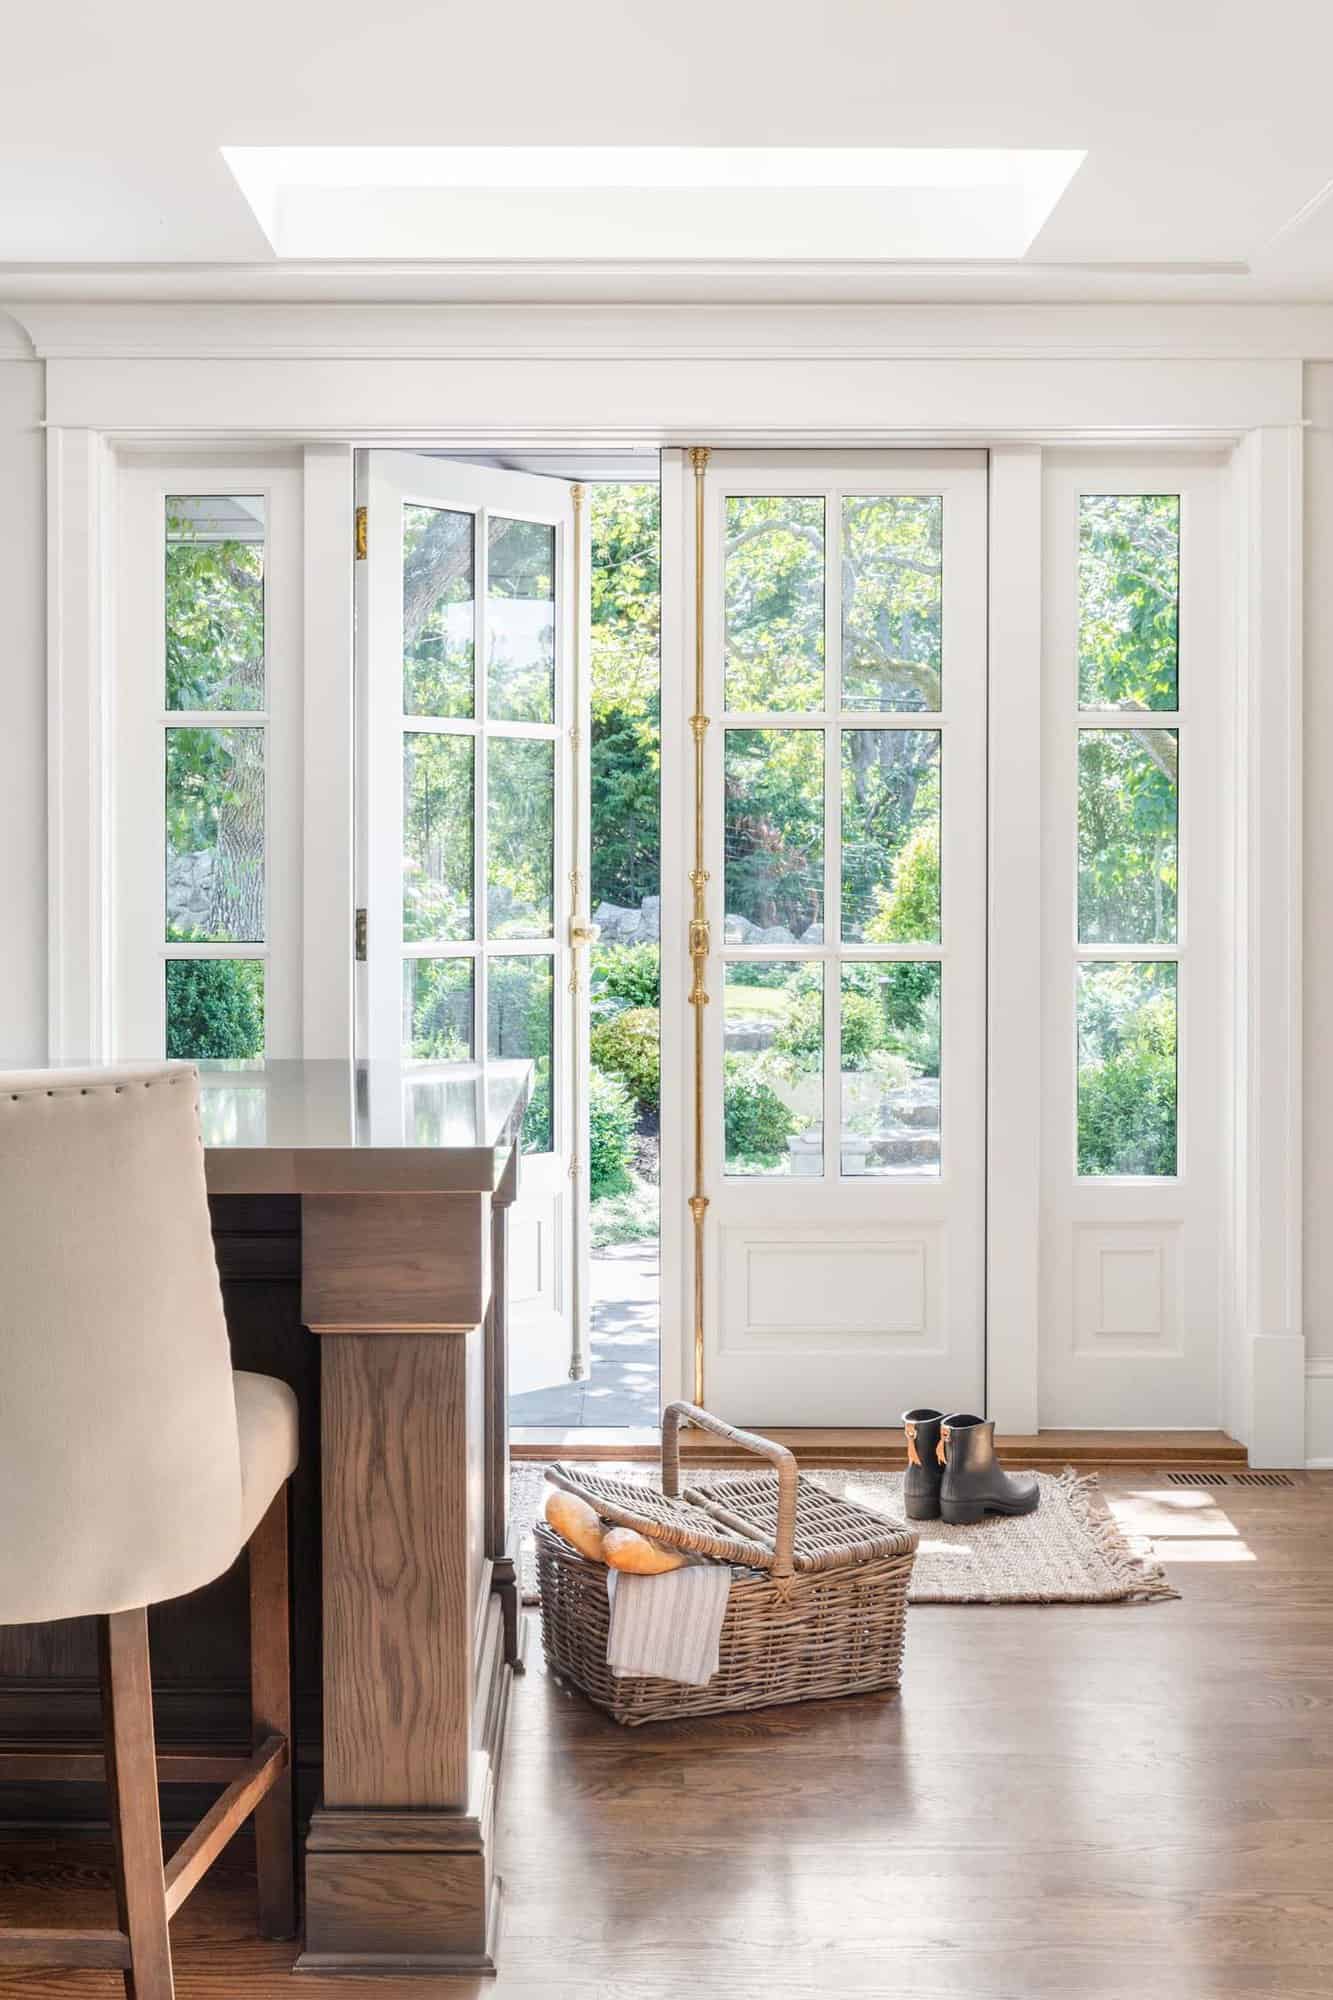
<point x="818" y="1594"/>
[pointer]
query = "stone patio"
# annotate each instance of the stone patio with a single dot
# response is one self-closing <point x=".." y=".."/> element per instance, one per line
<point x="622" y="1390"/>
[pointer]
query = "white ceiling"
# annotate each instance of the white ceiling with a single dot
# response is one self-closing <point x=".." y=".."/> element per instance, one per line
<point x="1207" y="127"/>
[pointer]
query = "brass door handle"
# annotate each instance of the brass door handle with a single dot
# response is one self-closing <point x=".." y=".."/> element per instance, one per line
<point x="584" y="933"/>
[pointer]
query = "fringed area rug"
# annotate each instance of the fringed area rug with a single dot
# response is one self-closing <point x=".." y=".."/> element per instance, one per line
<point x="1069" y="1552"/>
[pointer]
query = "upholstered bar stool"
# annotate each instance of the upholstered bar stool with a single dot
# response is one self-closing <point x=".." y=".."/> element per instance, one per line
<point x="135" y="1466"/>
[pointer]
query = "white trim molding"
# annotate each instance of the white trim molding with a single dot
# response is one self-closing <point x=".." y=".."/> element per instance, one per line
<point x="1264" y="1359"/>
<point x="1014" y="977"/>
<point x="80" y="581"/>
<point x="1319" y="1414"/>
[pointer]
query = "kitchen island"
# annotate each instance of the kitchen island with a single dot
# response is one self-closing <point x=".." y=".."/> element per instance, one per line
<point x="359" y="1216"/>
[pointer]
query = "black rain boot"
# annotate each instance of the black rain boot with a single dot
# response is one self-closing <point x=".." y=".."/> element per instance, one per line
<point x="974" y="1482"/>
<point x="921" y="1488"/>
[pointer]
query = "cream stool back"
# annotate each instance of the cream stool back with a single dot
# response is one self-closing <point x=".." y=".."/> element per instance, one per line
<point x="134" y="1467"/>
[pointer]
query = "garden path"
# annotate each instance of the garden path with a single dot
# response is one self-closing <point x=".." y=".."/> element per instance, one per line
<point x="623" y="1386"/>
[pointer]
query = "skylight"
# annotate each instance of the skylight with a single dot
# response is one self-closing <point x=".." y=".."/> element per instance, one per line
<point x="645" y="202"/>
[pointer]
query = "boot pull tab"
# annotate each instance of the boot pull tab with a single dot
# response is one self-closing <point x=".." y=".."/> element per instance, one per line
<point x="942" y="1448"/>
<point x="913" y="1456"/>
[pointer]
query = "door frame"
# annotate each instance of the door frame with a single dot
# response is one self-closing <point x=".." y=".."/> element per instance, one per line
<point x="110" y="383"/>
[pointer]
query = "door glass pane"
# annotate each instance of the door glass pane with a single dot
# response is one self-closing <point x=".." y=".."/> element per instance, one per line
<point x="774" y="836"/>
<point x="891" y="1068"/>
<point x="774" y="604"/>
<point x="891" y="835"/>
<point x="1127" y="1069"/>
<point x="437" y="1009"/>
<point x="1129" y="594"/>
<point x="214" y="601"/>
<point x="437" y="837"/>
<point x="215" y="835"/>
<point x="892" y="598"/>
<point x="520" y="837"/>
<point x="520" y="998"/>
<point x="439" y="611"/>
<point x="520" y="617"/>
<point x="1127" y="816"/>
<point x="773" y="1068"/>
<point x="215" y="1008"/>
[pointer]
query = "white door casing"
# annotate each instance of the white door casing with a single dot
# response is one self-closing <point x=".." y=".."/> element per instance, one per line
<point x="498" y="739"/>
<point x="832" y="1298"/>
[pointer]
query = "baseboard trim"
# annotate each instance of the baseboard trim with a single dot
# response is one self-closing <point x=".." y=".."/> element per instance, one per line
<point x="884" y="1449"/>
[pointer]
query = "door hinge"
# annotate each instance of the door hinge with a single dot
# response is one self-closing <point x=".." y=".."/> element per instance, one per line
<point x="359" y="938"/>
<point x="360" y="534"/>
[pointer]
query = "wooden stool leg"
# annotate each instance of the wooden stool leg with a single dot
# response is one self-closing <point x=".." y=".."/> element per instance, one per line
<point x="131" y="1776"/>
<point x="271" y="1715"/>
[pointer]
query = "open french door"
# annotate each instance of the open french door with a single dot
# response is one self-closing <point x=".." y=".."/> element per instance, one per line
<point x="472" y="831"/>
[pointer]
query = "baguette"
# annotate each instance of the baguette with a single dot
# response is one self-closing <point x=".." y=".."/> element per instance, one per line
<point x="575" y="1522"/>
<point x="627" y="1549"/>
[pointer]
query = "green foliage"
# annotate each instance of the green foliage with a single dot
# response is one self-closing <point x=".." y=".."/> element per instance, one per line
<point x="610" y="1135"/>
<point x="625" y="975"/>
<point x="891" y="552"/>
<point x="629" y="1046"/>
<point x="774" y="602"/>
<point x="1129" y="587"/>
<point x="625" y="692"/>
<point x="1127" y="835"/>
<point x="519" y="996"/>
<point x="214" y="618"/>
<point x="215" y="1008"/>
<point x="910" y="910"/>
<point x="773" y="803"/>
<point x="758" y="1123"/>
<point x="632" y="1217"/>
<point x="439" y="1028"/>
<point x="1127" y="1070"/>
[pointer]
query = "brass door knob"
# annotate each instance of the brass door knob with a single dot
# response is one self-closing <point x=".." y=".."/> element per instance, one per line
<point x="584" y="933"/>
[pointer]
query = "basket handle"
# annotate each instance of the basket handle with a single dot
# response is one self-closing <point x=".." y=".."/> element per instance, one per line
<point x="777" y="1455"/>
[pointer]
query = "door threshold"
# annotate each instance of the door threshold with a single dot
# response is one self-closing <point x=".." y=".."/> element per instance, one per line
<point x="884" y="1450"/>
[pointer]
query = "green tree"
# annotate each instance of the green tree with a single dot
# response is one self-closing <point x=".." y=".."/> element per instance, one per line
<point x="625" y="692"/>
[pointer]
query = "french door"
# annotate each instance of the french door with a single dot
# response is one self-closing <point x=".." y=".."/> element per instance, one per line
<point x="844" y="822"/>
<point x="472" y="829"/>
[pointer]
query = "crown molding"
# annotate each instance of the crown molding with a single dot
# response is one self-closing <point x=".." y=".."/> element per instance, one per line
<point x="173" y="330"/>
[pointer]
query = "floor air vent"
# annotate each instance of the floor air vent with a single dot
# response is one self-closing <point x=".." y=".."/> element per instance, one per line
<point x="1262" y="1479"/>
<point x="1196" y="1479"/>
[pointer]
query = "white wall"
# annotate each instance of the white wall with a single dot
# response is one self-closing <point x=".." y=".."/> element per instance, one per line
<point x="1318" y="864"/>
<point x="23" y="707"/>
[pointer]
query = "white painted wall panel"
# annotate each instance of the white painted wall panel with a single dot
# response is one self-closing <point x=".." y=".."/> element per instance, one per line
<point x="23" y="728"/>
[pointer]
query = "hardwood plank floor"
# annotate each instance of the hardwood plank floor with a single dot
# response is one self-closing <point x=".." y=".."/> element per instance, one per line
<point x="1109" y="1802"/>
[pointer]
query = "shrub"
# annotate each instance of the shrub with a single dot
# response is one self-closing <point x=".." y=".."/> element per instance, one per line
<point x="911" y="909"/>
<point x="610" y="1135"/>
<point x="758" y="1123"/>
<point x="215" y="1008"/>
<point x="625" y="975"/>
<point x="1127" y="1100"/>
<point x="628" y="1046"/>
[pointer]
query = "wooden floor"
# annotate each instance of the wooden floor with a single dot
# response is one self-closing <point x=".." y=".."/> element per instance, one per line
<point x="1101" y="1803"/>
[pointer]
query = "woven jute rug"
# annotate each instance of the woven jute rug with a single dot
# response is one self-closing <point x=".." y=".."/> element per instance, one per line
<point x="1069" y="1552"/>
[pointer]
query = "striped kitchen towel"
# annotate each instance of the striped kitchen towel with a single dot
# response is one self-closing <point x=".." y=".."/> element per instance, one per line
<point x="670" y="1625"/>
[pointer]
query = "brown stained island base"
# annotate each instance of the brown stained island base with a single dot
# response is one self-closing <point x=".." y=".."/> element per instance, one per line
<point x="402" y="1262"/>
<point x="359" y="1214"/>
